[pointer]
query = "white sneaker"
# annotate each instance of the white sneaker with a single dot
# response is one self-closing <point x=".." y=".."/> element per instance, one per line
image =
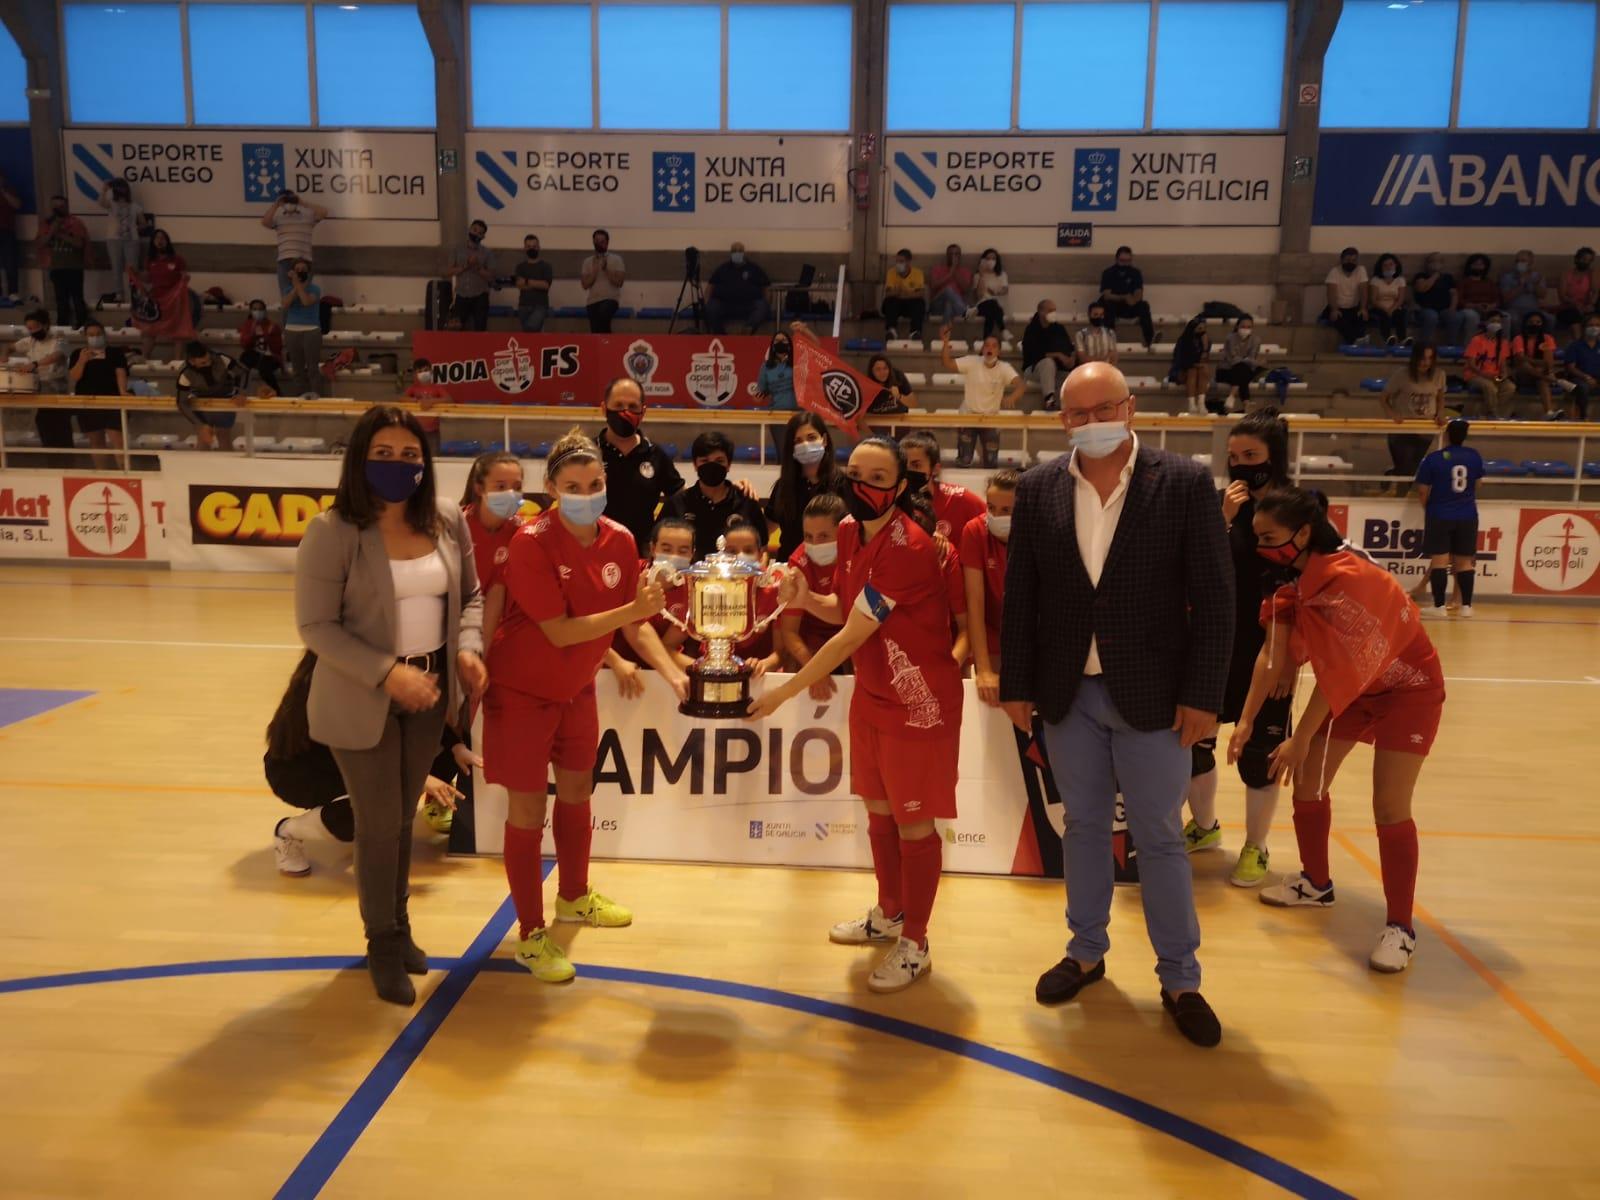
<point x="1394" y="950"/>
<point x="290" y="853"/>
<point x="874" y="927"/>
<point x="1466" y="610"/>
<point x="1291" y="893"/>
<point x="905" y="963"/>
<point x="1435" y="614"/>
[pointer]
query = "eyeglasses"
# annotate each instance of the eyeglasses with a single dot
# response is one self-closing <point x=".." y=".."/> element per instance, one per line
<point x="1103" y="412"/>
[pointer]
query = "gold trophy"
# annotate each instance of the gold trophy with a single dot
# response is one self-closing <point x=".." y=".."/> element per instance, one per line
<point x="722" y="611"/>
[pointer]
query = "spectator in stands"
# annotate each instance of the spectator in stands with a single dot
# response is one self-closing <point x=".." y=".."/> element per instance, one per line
<point x="1533" y="361"/>
<point x="166" y="287"/>
<point x="261" y="344"/>
<point x="302" y="331"/>
<point x="1122" y="292"/>
<point x="428" y="395"/>
<point x="1480" y="296"/>
<point x="639" y="473"/>
<point x="1239" y="367"/>
<point x="737" y="291"/>
<point x="1096" y="341"/>
<point x="988" y="290"/>
<point x="1578" y="294"/>
<point x="1582" y="367"/>
<point x="989" y="385"/>
<point x="713" y="500"/>
<point x="1386" y="300"/>
<point x="895" y="394"/>
<point x="63" y="248"/>
<point x="293" y="223"/>
<point x="1189" y="366"/>
<point x="904" y="298"/>
<point x="602" y="276"/>
<point x="533" y="277"/>
<point x="806" y="468"/>
<point x="209" y="376"/>
<point x="951" y="284"/>
<point x="472" y="275"/>
<point x="98" y="369"/>
<point x="1046" y="353"/>
<point x="1521" y="289"/>
<point x="1437" y="304"/>
<point x="1347" y="298"/>
<point x="775" y="384"/>
<point x="1486" y="365"/>
<point x="1414" y="394"/>
<point x="47" y="360"/>
<point x="10" y="253"/>
<point x="125" y="240"/>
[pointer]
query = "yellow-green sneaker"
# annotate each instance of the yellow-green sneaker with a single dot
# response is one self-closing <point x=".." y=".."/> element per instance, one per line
<point x="438" y="817"/>
<point x="593" y="909"/>
<point x="547" y="961"/>
<point x="1251" y="869"/>
<point x="1195" y="838"/>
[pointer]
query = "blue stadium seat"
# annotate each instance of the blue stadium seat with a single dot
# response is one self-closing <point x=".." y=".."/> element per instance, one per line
<point x="1504" y="468"/>
<point x="570" y="310"/>
<point x="687" y="455"/>
<point x="542" y="450"/>
<point x="501" y="310"/>
<point x="871" y="345"/>
<point x="1354" y="351"/>
<point x="520" y="449"/>
<point x="1591" y="470"/>
<point x="747" y="454"/>
<point x="655" y="314"/>
<point x="1373" y="385"/>
<point x="842" y="454"/>
<point x="468" y="448"/>
<point x="624" y="313"/>
<point x="1449" y="353"/>
<point x="1547" y="468"/>
<point x="670" y="449"/>
<point x="1401" y="352"/>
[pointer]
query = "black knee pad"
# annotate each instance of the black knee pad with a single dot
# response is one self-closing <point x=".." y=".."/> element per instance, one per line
<point x="1271" y="728"/>
<point x="1253" y="766"/>
<point x="1203" y="757"/>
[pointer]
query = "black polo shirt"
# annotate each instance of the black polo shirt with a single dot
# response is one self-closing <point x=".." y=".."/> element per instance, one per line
<point x="710" y="520"/>
<point x="1039" y="340"/>
<point x="1122" y="280"/>
<point x="636" y="484"/>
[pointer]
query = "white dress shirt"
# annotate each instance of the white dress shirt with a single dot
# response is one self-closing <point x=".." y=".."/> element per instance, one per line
<point x="1097" y="527"/>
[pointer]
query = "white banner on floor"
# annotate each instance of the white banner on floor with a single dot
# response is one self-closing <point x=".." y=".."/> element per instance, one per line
<point x="778" y="791"/>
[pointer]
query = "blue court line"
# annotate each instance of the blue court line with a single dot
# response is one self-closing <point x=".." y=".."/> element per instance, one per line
<point x="22" y="704"/>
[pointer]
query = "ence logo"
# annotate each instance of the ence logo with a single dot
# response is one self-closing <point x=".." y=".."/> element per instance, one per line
<point x="955" y="838"/>
<point x="267" y="516"/>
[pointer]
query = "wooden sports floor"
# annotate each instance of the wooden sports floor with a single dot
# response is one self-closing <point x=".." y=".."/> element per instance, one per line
<point x="721" y="1046"/>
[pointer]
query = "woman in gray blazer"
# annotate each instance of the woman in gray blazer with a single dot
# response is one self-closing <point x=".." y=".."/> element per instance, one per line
<point x="386" y="594"/>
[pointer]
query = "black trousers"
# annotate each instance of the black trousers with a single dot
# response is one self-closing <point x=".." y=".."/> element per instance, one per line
<point x="263" y="365"/>
<point x="600" y="314"/>
<point x="1239" y="375"/>
<point x="914" y="312"/>
<point x="1407" y="450"/>
<point x="67" y="283"/>
<point x="1122" y="311"/>
<point x="473" y="312"/>
<point x="1349" y="324"/>
<point x="994" y="318"/>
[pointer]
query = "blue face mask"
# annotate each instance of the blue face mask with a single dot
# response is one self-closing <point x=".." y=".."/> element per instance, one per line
<point x="1099" y="438"/>
<point x="503" y="504"/>
<point x="807" y="453"/>
<point x="582" y="510"/>
<point x="673" y="562"/>
<point x="394" y="479"/>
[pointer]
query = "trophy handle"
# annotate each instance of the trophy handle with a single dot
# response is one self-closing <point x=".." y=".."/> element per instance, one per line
<point x="671" y="579"/>
<point x="776" y="575"/>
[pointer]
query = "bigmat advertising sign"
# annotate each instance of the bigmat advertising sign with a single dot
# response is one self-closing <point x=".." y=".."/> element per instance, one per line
<point x="1514" y="179"/>
<point x="1044" y="181"/>
<point x="657" y="181"/>
<point x="48" y="516"/>
<point x="237" y="173"/>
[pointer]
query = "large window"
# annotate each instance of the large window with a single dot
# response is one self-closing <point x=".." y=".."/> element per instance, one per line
<point x="13" y="80"/>
<point x="756" y="65"/>
<point x="1558" y="36"/>
<point x="249" y="64"/>
<point x="1086" y="65"/>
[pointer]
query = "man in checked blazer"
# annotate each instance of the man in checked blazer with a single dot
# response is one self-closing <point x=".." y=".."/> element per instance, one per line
<point x="1117" y="627"/>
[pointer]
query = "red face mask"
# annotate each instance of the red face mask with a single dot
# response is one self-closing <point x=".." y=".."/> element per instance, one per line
<point x="868" y="503"/>
<point x="1284" y="553"/>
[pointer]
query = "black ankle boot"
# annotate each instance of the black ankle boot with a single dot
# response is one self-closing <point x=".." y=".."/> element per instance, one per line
<point x="386" y="965"/>
<point x="412" y="955"/>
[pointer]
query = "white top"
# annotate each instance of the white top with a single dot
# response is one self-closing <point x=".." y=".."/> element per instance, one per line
<point x="603" y="288"/>
<point x="419" y="603"/>
<point x="985" y="386"/>
<point x="37" y="349"/>
<point x="1348" y="288"/>
<point x="293" y="227"/>
<point x="986" y="286"/>
<point x="1388" y="294"/>
<point x="1097" y="527"/>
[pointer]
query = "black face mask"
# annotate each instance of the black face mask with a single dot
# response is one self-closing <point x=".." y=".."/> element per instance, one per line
<point x="1348" y="267"/>
<point x="916" y="481"/>
<point x="533" y="254"/>
<point x="1476" y="272"/>
<point x="1254" y="476"/>
<point x="712" y="474"/>
<point x="474" y="238"/>
<point x="624" y="425"/>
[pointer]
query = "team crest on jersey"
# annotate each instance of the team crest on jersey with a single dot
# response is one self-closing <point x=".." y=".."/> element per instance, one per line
<point x="612" y="574"/>
<point x="501" y="555"/>
<point x="647" y="470"/>
<point x="565" y="572"/>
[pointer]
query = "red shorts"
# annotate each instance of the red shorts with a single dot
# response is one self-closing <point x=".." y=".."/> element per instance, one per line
<point x="1405" y="721"/>
<point x="917" y="776"/>
<point x="523" y="736"/>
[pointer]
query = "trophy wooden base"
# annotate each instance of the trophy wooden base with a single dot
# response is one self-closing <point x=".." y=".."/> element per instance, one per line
<point x="718" y="696"/>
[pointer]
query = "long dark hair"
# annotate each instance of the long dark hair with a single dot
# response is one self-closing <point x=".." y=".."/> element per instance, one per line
<point x="1296" y="508"/>
<point x="905" y="501"/>
<point x="772" y="347"/>
<point x="289" y="731"/>
<point x="1272" y="431"/>
<point x="894" y="375"/>
<point x="154" y="234"/>
<point x="1418" y="349"/>
<point x="354" y="500"/>
<point x="999" y="263"/>
<point x="481" y="466"/>
<point x="789" y="496"/>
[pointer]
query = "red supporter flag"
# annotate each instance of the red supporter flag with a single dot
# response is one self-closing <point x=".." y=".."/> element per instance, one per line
<point x="831" y="388"/>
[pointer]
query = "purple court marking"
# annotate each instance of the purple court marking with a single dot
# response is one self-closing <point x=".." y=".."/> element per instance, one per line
<point x="19" y="704"/>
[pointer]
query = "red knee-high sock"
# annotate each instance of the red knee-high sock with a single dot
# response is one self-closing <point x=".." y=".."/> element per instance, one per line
<point x="1312" y="821"/>
<point x="574" y="832"/>
<point x="524" y="875"/>
<point x="920" y="864"/>
<point x="1397" y="856"/>
<point x="885" y="838"/>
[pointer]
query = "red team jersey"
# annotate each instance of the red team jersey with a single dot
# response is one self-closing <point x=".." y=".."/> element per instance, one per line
<point x="547" y="575"/>
<point x="759" y="645"/>
<point x="982" y="551"/>
<point x="953" y="507"/>
<point x="814" y="631"/>
<point x="490" y="550"/>
<point x="907" y="684"/>
<point x="677" y="605"/>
